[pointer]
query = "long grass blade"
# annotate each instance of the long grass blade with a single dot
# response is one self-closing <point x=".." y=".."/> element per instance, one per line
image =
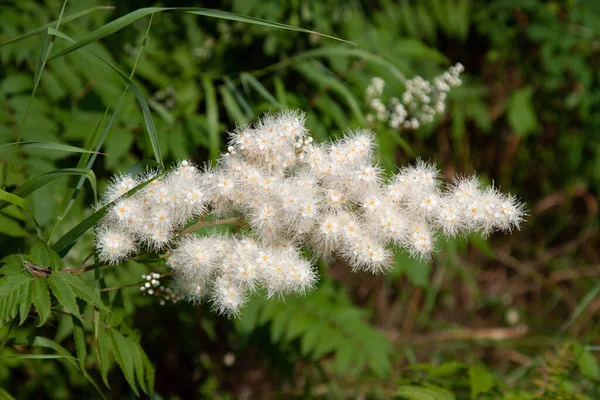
<point x="133" y="16"/>
<point x="44" y="28"/>
<point x="64" y="244"/>
<point x="50" y="146"/>
<point x="138" y="95"/>
<point x="33" y="184"/>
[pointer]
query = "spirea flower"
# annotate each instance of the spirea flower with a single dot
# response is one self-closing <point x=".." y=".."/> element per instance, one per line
<point x="420" y="103"/>
<point x="291" y="195"/>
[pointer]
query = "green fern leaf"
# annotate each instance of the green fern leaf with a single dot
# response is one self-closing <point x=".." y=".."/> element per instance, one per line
<point x="41" y="299"/>
<point x="104" y="356"/>
<point x="124" y="356"/>
<point x="64" y="294"/>
<point x="83" y="291"/>
<point x="25" y="301"/>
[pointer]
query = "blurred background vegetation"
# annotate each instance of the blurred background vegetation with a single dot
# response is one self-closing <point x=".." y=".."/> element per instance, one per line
<point x="513" y="317"/>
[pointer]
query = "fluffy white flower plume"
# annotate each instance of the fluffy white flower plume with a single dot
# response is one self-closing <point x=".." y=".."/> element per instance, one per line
<point x="292" y="194"/>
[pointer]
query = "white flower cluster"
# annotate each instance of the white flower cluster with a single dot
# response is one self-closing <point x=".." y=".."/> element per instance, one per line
<point x="151" y="217"/>
<point x="419" y="104"/>
<point x="294" y="195"/>
<point x="152" y="287"/>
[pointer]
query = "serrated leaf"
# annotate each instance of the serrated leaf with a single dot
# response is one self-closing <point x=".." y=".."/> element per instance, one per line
<point x="25" y="300"/>
<point x="81" y="348"/>
<point x="82" y="290"/>
<point x="148" y="372"/>
<point x="138" y="365"/>
<point x="124" y="356"/>
<point x="103" y="353"/>
<point x="13" y="269"/>
<point x="41" y="299"/>
<point x="64" y="294"/>
<point x="11" y="284"/>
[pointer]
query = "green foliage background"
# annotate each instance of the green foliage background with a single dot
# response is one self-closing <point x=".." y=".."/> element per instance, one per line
<point x="514" y="317"/>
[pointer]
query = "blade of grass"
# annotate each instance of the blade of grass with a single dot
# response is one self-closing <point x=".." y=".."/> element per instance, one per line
<point x="240" y="98"/>
<point x="89" y="161"/>
<point x="136" y="91"/>
<point x="329" y="51"/>
<point x="33" y="184"/>
<point x="321" y="75"/>
<point x="44" y="28"/>
<point x="581" y="307"/>
<point x="51" y="146"/>
<point x="133" y="16"/>
<point x="252" y="81"/>
<point x="64" y="244"/>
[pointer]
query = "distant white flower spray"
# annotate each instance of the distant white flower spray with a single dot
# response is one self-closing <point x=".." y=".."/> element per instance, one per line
<point x="293" y="196"/>
<point x="420" y="103"/>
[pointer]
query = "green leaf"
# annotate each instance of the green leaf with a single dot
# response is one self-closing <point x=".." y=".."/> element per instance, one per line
<point x="33" y="184"/>
<point x="411" y="392"/>
<point x="42" y="256"/>
<point x="38" y="341"/>
<point x="417" y="271"/>
<point x="12" y="198"/>
<point x="252" y="81"/>
<point x="318" y="73"/>
<point x="63" y="293"/>
<point x="521" y="114"/>
<point x="44" y="28"/>
<point x="128" y="19"/>
<point x="587" y="363"/>
<point x="80" y="346"/>
<point x="41" y="299"/>
<point x="148" y="371"/>
<point x="40" y="356"/>
<point x="50" y="146"/>
<point x="232" y="107"/>
<point x="481" y="380"/>
<point x="26" y="300"/>
<point x="138" y="95"/>
<point x="82" y="290"/>
<point x="63" y="245"/>
<point x="10" y="227"/>
<point x="103" y="348"/>
<point x="11" y="287"/>
<point x="12" y="283"/>
<point x="124" y="356"/>
<point x="5" y="396"/>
